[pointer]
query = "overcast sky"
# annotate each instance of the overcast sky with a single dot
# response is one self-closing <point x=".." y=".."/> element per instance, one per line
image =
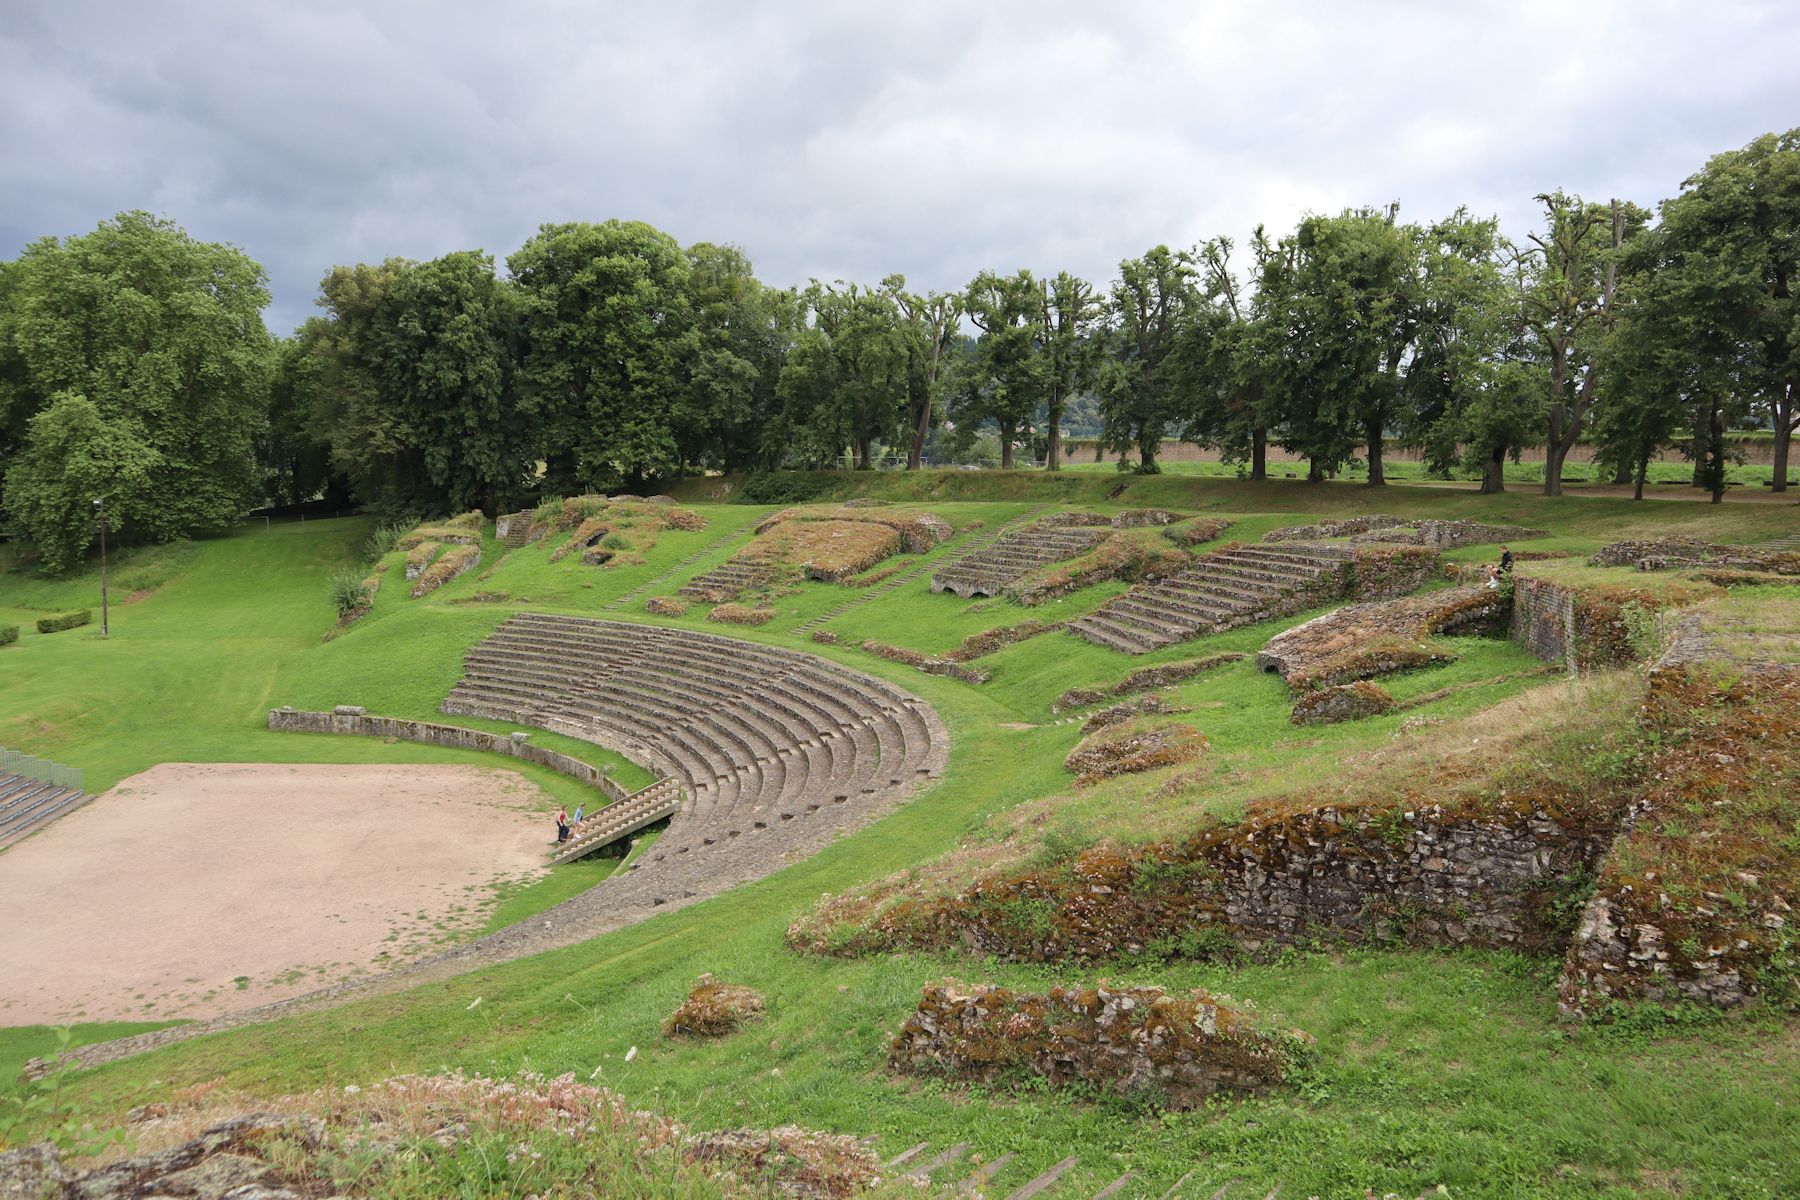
<point x="850" y="140"/>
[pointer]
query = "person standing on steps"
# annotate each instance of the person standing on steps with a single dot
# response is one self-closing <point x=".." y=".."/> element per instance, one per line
<point x="562" y="825"/>
<point x="1506" y="561"/>
<point x="579" y="809"/>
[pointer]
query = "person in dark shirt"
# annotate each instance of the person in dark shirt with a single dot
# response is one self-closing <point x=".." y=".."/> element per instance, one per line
<point x="1505" y="561"/>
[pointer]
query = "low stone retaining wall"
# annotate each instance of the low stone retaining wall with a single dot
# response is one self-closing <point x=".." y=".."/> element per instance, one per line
<point x="1543" y="620"/>
<point x="289" y="720"/>
<point x="1178" y="1050"/>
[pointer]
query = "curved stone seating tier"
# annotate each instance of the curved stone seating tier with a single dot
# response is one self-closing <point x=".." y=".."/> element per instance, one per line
<point x="989" y="571"/>
<point x="1221" y="590"/>
<point x="776" y="751"/>
<point x="27" y="803"/>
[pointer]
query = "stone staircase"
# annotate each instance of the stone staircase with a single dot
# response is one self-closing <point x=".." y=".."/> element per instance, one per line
<point x="514" y="529"/>
<point x="644" y="589"/>
<point x="934" y="1174"/>
<point x="1221" y="590"/>
<point x="1013" y="555"/>
<point x="778" y="752"/>
<point x="886" y="587"/>
<point x="727" y="581"/>
<point x="26" y="803"/>
<point x="622" y="818"/>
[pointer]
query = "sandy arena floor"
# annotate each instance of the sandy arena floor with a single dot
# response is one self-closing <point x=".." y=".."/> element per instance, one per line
<point x="195" y="889"/>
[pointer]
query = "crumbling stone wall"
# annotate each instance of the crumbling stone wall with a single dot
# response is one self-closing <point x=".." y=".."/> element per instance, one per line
<point x="1697" y="901"/>
<point x="352" y="720"/>
<point x="1434" y="875"/>
<point x="1543" y="620"/>
<point x="1178" y="1050"/>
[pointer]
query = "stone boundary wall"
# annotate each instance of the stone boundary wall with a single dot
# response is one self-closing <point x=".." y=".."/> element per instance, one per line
<point x="288" y="720"/>
<point x="1543" y="620"/>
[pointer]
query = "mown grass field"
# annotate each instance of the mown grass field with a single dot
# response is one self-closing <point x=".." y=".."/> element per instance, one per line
<point x="1433" y="1069"/>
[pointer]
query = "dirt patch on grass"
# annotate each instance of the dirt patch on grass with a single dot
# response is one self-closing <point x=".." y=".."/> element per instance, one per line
<point x="196" y="889"/>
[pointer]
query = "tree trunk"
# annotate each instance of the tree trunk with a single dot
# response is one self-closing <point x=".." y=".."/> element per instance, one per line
<point x="1259" y="454"/>
<point x="1147" y="447"/>
<point x="1313" y="473"/>
<point x="1785" y="419"/>
<point x="1715" y="449"/>
<point x="1377" y="476"/>
<point x="1555" y="451"/>
<point x="1643" y="472"/>
<point x="1622" y="472"/>
<point x="862" y="453"/>
<point x="1006" y="450"/>
<point x="1099" y="450"/>
<point x="1053" y="438"/>
<point x="1493" y="471"/>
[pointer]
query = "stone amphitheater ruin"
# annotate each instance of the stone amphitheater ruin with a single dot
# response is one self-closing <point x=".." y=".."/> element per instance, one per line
<point x="773" y="753"/>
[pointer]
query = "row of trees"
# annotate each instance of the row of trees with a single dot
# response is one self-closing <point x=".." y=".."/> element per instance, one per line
<point x="134" y="363"/>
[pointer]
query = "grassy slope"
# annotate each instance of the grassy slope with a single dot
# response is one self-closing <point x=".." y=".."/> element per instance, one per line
<point x="1434" y="1068"/>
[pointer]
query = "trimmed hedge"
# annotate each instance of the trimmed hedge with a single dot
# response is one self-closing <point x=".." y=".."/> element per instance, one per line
<point x="8" y="634"/>
<point x="66" y="621"/>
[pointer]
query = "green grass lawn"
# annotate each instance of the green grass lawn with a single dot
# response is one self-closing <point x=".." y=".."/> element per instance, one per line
<point x="1433" y="1068"/>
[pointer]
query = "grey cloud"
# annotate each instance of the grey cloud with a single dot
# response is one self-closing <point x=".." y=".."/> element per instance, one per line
<point x="842" y="140"/>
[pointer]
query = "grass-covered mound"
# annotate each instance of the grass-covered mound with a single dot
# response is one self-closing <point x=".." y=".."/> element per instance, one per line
<point x="835" y="544"/>
<point x="607" y="531"/>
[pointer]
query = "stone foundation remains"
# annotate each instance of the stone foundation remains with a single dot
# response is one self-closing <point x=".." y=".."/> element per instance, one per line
<point x="1177" y="1051"/>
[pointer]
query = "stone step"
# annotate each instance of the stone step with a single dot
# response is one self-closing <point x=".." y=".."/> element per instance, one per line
<point x="1044" y="1182"/>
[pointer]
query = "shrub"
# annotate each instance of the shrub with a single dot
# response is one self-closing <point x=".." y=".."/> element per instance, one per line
<point x="782" y="487"/>
<point x="383" y="540"/>
<point x="8" y="634"/>
<point x="66" y="621"/>
<point x="349" y="592"/>
<point x="666" y="606"/>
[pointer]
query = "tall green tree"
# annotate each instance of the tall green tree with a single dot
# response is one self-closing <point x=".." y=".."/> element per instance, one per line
<point x="608" y="335"/>
<point x="932" y="322"/>
<point x="743" y="330"/>
<point x="1567" y="302"/>
<point x="1139" y="396"/>
<point x="845" y="383"/>
<point x="1299" y="402"/>
<point x="73" y="455"/>
<point x="1728" y="279"/>
<point x="443" y="360"/>
<point x="1069" y="315"/>
<point x="1467" y="399"/>
<point x="332" y="376"/>
<point x="163" y="335"/>
<point x="1004" y="380"/>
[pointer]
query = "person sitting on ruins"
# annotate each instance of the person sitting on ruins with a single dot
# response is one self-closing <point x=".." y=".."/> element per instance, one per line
<point x="1493" y="578"/>
<point x="1506" y="561"/>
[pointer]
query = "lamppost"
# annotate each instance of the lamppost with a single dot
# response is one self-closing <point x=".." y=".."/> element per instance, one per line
<point x="100" y="514"/>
